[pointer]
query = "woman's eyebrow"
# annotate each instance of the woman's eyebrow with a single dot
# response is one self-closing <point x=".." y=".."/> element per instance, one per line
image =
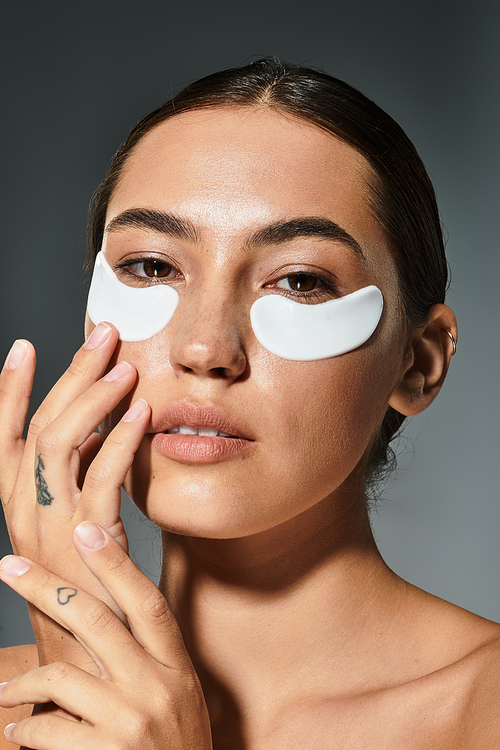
<point x="309" y="226"/>
<point x="277" y="233"/>
<point x="156" y="221"/>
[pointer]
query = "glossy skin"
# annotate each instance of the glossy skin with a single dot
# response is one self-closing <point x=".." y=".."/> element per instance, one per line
<point x="298" y="632"/>
<point x="262" y="168"/>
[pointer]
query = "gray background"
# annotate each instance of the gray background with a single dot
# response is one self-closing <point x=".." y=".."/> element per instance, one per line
<point x="76" y="76"/>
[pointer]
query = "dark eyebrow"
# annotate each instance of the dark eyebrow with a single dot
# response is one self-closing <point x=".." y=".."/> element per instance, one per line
<point x="274" y="234"/>
<point x="310" y="226"/>
<point x="156" y="221"/>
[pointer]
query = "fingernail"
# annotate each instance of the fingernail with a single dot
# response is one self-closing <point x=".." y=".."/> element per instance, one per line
<point x="2" y="685"/>
<point x="13" y="566"/>
<point x="135" y="411"/>
<point x="16" y="355"/>
<point x="8" y="729"/>
<point x="90" y="535"/>
<point x="118" y="371"/>
<point x="99" y="335"/>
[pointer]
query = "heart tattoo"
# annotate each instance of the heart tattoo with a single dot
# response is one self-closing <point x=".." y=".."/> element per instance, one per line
<point x="65" y="593"/>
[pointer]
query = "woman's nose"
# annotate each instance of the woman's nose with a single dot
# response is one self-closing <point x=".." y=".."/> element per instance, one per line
<point x="208" y="340"/>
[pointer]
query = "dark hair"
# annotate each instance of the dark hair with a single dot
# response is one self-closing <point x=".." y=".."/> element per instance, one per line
<point x="402" y="195"/>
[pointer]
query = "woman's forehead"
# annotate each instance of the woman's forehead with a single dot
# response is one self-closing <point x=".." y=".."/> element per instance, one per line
<point x="243" y="166"/>
<point x="233" y="145"/>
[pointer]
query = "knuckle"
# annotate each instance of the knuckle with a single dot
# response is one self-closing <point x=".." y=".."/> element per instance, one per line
<point x="44" y="583"/>
<point x="156" y="608"/>
<point x="114" y="442"/>
<point x="58" y="671"/>
<point x="97" y="616"/>
<point x="118" y="563"/>
<point x="98" y="474"/>
<point x="78" y="368"/>
<point x="37" y="423"/>
<point x="162" y="703"/>
<point x="48" y="443"/>
<point x="138" y="722"/>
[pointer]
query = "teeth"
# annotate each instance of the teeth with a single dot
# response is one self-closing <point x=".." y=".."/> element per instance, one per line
<point x="183" y="429"/>
<point x="207" y="432"/>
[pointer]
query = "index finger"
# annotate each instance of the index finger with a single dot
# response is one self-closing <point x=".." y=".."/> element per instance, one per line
<point x="148" y="613"/>
<point x="90" y="620"/>
<point x="16" y="382"/>
<point x="88" y="365"/>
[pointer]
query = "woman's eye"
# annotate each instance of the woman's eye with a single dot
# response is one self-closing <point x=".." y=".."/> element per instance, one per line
<point x="300" y="282"/>
<point x="150" y="268"/>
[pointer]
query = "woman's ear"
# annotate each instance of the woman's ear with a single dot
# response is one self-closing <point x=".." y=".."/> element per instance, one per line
<point x="426" y="362"/>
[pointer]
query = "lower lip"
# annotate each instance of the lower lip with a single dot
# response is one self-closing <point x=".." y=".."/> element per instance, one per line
<point x="198" y="449"/>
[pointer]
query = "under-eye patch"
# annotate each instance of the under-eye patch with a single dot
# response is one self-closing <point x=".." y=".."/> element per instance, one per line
<point x="289" y="329"/>
<point x="297" y="331"/>
<point x="137" y="312"/>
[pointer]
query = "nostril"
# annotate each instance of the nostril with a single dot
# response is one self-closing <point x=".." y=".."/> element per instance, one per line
<point x="215" y="353"/>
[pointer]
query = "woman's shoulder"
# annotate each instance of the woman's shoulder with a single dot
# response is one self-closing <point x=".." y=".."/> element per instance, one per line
<point x="459" y="695"/>
<point x="479" y="699"/>
<point x="453" y="698"/>
<point x="13" y="662"/>
<point x="462" y="687"/>
<point x="456" y="706"/>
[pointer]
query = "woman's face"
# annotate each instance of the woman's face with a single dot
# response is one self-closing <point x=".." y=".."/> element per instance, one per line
<point x="303" y="429"/>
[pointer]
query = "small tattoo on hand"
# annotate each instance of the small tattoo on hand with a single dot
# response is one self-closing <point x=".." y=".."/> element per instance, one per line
<point x="65" y="593"/>
<point x="43" y="495"/>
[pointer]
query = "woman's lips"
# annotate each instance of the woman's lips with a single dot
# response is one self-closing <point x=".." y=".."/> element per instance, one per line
<point x="199" y="449"/>
<point x="170" y="425"/>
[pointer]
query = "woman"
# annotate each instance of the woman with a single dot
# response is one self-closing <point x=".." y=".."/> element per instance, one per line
<point x="261" y="192"/>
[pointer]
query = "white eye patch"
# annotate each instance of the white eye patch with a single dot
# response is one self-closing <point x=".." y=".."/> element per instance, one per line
<point x="138" y="313"/>
<point x="290" y="330"/>
<point x="296" y="331"/>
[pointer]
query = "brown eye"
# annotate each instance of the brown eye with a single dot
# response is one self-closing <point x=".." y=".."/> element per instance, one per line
<point x="301" y="282"/>
<point x="156" y="268"/>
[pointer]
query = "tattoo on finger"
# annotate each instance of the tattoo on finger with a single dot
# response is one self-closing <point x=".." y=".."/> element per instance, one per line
<point x="43" y="495"/>
<point x="65" y="593"/>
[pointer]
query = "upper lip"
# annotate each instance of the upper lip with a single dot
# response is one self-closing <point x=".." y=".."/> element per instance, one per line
<point x="197" y="415"/>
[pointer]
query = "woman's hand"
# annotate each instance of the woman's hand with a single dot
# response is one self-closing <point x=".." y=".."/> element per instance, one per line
<point x="146" y="695"/>
<point x="63" y="473"/>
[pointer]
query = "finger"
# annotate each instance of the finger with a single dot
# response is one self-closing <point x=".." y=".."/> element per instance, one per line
<point x="70" y="688"/>
<point x="149" y="616"/>
<point x="90" y="620"/>
<point x="16" y="382"/>
<point x="87" y="366"/>
<point x="57" y="447"/>
<point x="110" y="467"/>
<point x="50" y="732"/>
<point x="88" y="451"/>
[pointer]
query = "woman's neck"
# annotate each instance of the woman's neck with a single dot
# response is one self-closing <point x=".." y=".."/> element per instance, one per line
<point x="268" y="616"/>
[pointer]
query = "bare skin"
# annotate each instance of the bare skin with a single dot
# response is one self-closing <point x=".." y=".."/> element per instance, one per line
<point x="298" y="632"/>
<point x="15" y="661"/>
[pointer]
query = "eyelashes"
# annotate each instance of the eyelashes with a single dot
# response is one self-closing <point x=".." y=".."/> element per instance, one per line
<point x="303" y="286"/>
<point x="306" y="287"/>
<point x="147" y="269"/>
<point x="285" y="327"/>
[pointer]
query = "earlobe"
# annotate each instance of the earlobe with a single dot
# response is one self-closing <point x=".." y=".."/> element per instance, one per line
<point x="426" y="363"/>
